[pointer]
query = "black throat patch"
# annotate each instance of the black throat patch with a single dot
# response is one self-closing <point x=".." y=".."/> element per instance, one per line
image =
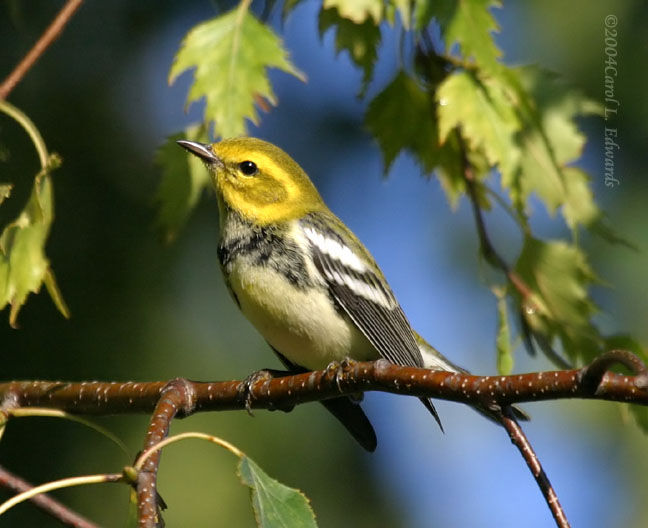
<point x="263" y="246"/>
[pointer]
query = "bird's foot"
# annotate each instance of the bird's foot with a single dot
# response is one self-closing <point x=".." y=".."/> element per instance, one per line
<point x="338" y="369"/>
<point x="245" y="387"/>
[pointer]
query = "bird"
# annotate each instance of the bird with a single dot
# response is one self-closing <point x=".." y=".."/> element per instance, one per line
<point x="302" y="278"/>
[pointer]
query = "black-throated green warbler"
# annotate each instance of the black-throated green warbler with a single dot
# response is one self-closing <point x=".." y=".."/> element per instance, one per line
<point x="301" y="276"/>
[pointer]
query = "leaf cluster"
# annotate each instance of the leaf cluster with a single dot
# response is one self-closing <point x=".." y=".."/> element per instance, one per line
<point x="24" y="267"/>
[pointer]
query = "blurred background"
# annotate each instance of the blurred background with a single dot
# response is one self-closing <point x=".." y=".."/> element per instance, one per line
<point x="143" y="310"/>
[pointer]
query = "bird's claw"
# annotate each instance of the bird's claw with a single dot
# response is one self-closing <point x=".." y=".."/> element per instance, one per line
<point x="245" y="388"/>
<point x="338" y="369"/>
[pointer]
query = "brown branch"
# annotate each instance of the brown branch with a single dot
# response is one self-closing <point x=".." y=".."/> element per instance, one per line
<point x="98" y="398"/>
<point x="46" y="503"/>
<point x="49" y="35"/>
<point x="519" y="439"/>
<point x="176" y="398"/>
<point x="182" y="398"/>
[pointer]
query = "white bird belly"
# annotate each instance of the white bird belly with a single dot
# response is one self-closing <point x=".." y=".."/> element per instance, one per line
<point x="302" y="324"/>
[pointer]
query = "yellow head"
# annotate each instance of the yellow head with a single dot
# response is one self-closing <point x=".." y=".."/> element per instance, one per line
<point x="258" y="180"/>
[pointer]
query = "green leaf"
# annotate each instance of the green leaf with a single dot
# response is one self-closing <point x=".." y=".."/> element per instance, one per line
<point x="640" y="413"/>
<point x="558" y="277"/>
<point x="288" y="6"/>
<point x="483" y="110"/>
<point x="402" y="118"/>
<point x="131" y="519"/>
<point x="556" y="104"/>
<point x="361" y="40"/>
<point x="468" y="23"/>
<point x="275" y="505"/>
<point x="23" y="264"/>
<point x="423" y="12"/>
<point x="183" y="179"/>
<point x="231" y="54"/>
<point x="579" y="205"/>
<point x="404" y="8"/>
<point x="626" y="342"/>
<point x="450" y="170"/>
<point x="5" y="191"/>
<point x="503" y="341"/>
<point x="549" y="141"/>
<point x="406" y="102"/>
<point x="357" y="10"/>
<point x="55" y="293"/>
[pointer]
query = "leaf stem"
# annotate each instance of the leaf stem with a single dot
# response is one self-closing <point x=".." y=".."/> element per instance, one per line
<point x="47" y="504"/>
<point x="184" y="436"/>
<point x="30" y="128"/>
<point x="58" y="484"/>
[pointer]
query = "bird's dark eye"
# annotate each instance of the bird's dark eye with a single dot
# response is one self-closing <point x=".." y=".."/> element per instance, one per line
<point x="248" y="168"/>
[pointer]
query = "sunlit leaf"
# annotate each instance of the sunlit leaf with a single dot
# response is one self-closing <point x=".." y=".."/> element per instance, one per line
<point x="404" y="8"/>
<point x="55" y="293"/>
<point x="183" y="179"/>
<point x="5" y="191"/>
<point x="503" y="340"/>
<point x="402" y="119"/>
<point x="579" y="206"/>
<point x="485" y="116"/>
<point x="357" y="10"/>
<point x="23" y="264"/>
<point x="275" y="504"/>
<point x="549" y="141"/>
<point x="231" y="54"/>
<point x="469" y="24"/>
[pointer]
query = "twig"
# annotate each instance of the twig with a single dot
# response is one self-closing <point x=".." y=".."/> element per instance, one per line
<point x="495" y="259"/>
<point x="177" y="397"/>
<point x="520" y="441"/>
<point x="48" y="36"/>
<point x="46" y="503"/>
<point x="593" y="374"/>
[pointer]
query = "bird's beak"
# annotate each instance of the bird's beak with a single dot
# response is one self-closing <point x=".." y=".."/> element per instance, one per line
<point x="202" y="150"/>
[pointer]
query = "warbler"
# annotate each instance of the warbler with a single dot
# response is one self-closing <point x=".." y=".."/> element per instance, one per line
<point x="302" y="277"/>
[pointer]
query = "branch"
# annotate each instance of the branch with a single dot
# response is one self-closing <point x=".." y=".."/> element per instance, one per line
<point x="497" y="261"/>
<point x="48" y="36"/>
<point x="181" y="398"/>
<point x="98" y="398"/>
<point x="176" y="397"/>
<point x="519" y="440"/>
<point x="46" y="503"/>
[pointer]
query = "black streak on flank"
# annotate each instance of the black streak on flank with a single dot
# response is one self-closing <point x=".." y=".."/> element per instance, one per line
<point x="265" y="247"/>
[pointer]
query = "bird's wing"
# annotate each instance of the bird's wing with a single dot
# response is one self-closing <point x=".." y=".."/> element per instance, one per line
<point x="362" y="293"/>
<point x="358" y="288"/>
<point x="348" y="412"/>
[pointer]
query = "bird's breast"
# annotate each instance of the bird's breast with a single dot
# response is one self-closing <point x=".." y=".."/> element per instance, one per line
<point x="283" y="295"/>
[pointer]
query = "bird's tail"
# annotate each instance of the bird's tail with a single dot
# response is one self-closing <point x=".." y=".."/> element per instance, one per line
<point x="433" y="359"/>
